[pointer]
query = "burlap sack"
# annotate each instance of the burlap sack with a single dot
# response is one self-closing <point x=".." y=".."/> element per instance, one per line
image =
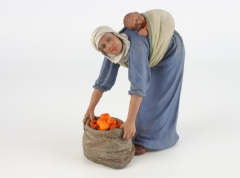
<point x="107" y="147"/>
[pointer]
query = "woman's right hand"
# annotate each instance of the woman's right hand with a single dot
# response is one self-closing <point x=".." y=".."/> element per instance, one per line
<point x="89" y="114"/>
<point x="96" y="95"/>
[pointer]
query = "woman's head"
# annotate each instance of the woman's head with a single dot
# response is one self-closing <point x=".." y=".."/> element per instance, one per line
<point x="104" y="40"/>
<point x="110" y="43"/>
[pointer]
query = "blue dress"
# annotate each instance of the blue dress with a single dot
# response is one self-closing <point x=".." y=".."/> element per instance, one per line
<point x="159" y="86"/>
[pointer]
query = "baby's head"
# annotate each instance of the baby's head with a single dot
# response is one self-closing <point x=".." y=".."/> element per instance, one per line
<point x="134" y="21"/>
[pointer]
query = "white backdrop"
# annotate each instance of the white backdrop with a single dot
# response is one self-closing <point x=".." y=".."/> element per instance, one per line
<point x="48" y="67"/>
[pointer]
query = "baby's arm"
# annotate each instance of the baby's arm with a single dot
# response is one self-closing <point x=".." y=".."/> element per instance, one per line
<point x="143" y="32"/>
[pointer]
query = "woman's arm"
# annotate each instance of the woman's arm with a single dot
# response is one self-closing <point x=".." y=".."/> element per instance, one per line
<point x="96" y="96"/>
<point x="139" y="77"/>
<point x="107" y="76"/>
<point x="105" y="81"/>
<point x="129" y="125"/>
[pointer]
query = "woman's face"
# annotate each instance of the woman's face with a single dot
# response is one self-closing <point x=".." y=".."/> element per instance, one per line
<point x="110" y="44"/>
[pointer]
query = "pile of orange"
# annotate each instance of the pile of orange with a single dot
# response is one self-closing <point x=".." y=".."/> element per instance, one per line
<point x="105" y="122"/>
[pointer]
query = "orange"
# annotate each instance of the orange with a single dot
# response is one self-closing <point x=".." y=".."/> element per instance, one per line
<point x="93" y="124"/>
<point x="113" y="126"/>
<point x="118" y="123"/>
<point x="101" y="119"/>
<point x="104" y="125"/>
<point x="111" y="121"/>
<point x="105" y="116"/>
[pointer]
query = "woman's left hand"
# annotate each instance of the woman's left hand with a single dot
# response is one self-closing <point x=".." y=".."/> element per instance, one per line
<point x="129" y="129"/>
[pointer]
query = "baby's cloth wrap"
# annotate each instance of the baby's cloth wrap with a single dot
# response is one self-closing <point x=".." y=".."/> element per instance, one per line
<point x="160" y="31"/>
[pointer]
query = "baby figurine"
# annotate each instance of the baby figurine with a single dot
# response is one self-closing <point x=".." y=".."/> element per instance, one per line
<point x="135" y="21"/>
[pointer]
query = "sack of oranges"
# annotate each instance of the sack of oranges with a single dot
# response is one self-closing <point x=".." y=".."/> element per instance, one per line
<point x="105" y="122"/>
<point x="103" y="142"/>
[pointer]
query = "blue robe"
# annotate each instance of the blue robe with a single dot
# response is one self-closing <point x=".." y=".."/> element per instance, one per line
<point x="159" y="86"/>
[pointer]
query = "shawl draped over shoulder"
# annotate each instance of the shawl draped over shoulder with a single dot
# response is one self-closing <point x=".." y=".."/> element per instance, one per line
<point x="160" y="30"/>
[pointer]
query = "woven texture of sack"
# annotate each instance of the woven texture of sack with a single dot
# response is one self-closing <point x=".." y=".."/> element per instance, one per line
<point x="107" y="147"/>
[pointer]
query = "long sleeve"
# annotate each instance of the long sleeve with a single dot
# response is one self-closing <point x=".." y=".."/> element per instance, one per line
<point x="139" y="73"/>
<point x="107" y="76"/>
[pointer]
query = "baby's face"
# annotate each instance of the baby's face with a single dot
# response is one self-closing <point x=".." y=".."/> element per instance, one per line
<point x="134" y="21"/>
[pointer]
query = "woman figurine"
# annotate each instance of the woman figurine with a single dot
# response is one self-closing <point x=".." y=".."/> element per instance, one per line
<point x="155" y="77"/>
